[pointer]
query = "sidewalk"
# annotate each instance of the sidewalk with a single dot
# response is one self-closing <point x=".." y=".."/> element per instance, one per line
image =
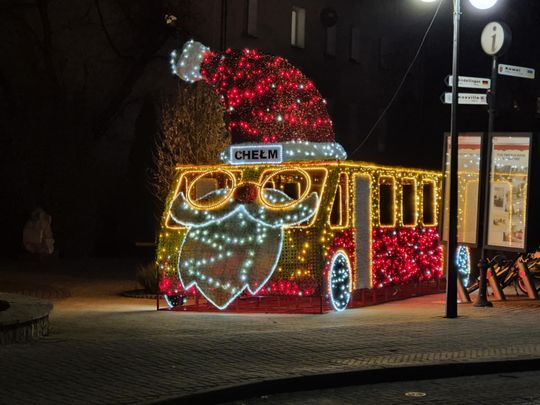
<point x="104" y="348"/>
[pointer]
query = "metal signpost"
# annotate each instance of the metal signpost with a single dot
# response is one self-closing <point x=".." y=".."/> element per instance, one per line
<point x="451" y="276"/>
<point x="495" y="40"/>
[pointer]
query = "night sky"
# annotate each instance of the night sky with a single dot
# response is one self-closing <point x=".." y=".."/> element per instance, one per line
<point x="81" y="83"/>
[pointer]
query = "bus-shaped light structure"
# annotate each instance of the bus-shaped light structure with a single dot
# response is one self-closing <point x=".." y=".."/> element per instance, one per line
<point x="285" y="223"/>
<point x="247" y="235"/>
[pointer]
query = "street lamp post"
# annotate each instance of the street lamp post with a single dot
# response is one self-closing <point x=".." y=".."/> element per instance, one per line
<point x="452" y="272"/>
<point x="451" y="262"/>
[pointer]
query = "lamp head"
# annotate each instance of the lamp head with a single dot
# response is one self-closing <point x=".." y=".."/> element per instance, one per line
<point x="483" y="4"/>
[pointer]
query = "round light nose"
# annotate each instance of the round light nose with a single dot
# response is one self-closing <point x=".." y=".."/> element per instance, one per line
<point x="246" y="193"/>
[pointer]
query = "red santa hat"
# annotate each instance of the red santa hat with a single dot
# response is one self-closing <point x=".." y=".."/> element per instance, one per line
<point x="267" y="100"/>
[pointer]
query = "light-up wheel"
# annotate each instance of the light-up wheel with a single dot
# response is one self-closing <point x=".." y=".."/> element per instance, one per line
<point x="463" y="262"/>
<point x="340" y="281"/>
<point x="174" y="300"/>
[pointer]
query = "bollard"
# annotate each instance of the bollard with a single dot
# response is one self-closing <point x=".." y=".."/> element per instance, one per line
<point x="527" y="280"/>
<point x="495" y="285"/>
<point x="481" y="300"/>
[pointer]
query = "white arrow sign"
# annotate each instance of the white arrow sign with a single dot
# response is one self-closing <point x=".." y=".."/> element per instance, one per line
<point x="466" y="98"/>
<point x="516" y="71"/>
<point x="470" y="82"/>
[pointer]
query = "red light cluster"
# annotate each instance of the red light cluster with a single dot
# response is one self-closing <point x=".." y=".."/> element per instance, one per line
<point x="298" y="287"/>
<point x="405" y="255"/>
<point x="171" y="285"/>
<point x="266" y="98"/>
<point x="342" y="241"/>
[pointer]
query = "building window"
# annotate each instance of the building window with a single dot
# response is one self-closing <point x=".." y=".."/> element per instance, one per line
<point x="298" y="27"/>
<point x="330" y="41"/>
<point x="250" y="27"/>
<point x="355" y="45"/>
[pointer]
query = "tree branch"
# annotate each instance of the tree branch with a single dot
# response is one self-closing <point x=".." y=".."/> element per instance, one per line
<point x="43" y="6"/>
<point x="108" y="35"/>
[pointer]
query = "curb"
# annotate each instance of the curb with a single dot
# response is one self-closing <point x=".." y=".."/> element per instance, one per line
<point x="350" y="378"/>
<point x="141" y="294"/>
<point x="25" y="319"/>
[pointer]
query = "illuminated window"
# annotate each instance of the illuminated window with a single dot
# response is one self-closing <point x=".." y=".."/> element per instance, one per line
<point x="355" y="45"/>
<point x="298" y="27"/>
<point x="251" y="18"/>
<point x="387" y="212"/>
<point x="428" y="203"/>
<point x="340" y="206"/>
<point x="408" y="202"/>
<point x="330" y="41"/>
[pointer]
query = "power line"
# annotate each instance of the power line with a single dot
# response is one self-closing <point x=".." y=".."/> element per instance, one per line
<point x="402" y="80"/>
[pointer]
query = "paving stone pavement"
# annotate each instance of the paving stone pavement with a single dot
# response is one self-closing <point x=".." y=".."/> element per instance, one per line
<point x="493" y="389"/>
<point x="104" y="348"/>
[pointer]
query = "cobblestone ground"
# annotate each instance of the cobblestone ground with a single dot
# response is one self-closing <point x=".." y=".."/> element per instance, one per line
<point x="104" y="348"/>
<point x="498" y="389"/>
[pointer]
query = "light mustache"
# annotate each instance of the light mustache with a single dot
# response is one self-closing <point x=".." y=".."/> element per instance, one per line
<point x="184" y="213"/>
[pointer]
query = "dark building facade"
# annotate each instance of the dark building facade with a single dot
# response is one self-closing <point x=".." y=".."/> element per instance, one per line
<point x="357" y="53"/>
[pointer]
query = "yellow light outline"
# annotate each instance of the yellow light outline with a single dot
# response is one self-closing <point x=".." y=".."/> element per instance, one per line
<point x="433" y="202"/>
<point x="322" y="233"/>
<point x="203" y="170"/>
<point x="294" y="202"/>
<point x="312" y="220"/>
<point x="193" y="204"/>
<point x="370" y="180"/>
<point x="415" y="186"/>
<point x="344" y="191"/>
<point x="394" y="210"/>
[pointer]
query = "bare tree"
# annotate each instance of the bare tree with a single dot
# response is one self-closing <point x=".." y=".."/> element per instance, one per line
<point x="192" y="132"/>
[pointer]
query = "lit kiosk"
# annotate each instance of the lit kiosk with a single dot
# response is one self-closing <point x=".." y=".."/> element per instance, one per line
<point x="510" y="218"/>
<point x="285" y="223"/>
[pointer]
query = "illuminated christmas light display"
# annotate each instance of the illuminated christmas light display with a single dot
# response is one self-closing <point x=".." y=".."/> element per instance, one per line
<point x="274" y="231"/>
<point x="340" y="281"/>
<point x="266" y="98"/>
<point x="405" y="255"/>
<point x="291" y="151"/>
<point x="235" y="247"/>
<point x="285" y="215"/>
<point x="463" y="261"/>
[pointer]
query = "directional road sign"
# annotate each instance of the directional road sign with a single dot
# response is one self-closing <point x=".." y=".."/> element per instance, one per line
<point x="469" y="82"/>
<point x="466" y="98"/>
<point x="516" y="71"/>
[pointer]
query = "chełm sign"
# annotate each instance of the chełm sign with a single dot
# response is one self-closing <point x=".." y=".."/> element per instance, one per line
<point x="256" y="154"/>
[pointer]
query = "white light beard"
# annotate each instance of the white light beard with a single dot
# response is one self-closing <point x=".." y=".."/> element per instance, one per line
<point x="224" y="255"/>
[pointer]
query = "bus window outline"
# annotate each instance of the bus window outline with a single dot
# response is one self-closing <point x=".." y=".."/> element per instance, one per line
<point x="409" y="181"/>
<point x="392" y="181"/>
<point x="433" y="203"/>
<point x="344" y="202"/>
